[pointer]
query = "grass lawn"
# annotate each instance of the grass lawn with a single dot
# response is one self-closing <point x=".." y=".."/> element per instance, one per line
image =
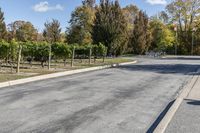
<point x="6" y="75"/>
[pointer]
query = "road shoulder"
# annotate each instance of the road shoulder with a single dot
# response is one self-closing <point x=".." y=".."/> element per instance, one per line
<point x="190" y="90"/>
<point x="60" y="74"/>
<point x="187" y="117"/>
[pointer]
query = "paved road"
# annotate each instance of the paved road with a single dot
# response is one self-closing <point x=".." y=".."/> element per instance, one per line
<point x="119" y="100"/>
<point x="187" y="117"/>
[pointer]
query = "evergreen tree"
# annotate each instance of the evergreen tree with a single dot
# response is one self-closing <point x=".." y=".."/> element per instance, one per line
<point x="2" y="26"/>
<point x="110" y="27"/>
<point x="141" y="36"/>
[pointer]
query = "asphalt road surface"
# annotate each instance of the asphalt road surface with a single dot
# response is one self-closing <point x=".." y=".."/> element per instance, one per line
<point x="119" y="100"/>
<point x="186" y="119"/>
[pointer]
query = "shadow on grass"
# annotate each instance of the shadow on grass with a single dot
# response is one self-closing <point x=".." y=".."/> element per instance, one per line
<point x="160" y="117"/>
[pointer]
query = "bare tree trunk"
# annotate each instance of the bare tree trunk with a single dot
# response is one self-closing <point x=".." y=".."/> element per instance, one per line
<point x="19" y="58"/>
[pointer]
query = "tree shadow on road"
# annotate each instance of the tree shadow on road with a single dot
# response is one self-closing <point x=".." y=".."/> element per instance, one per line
<point x="183" y="58"/>
<point x="185" y="69"/>
<point x="193" y="102"/>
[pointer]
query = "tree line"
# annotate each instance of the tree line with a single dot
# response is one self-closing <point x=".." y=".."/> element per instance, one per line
<point x="106" y="26"/>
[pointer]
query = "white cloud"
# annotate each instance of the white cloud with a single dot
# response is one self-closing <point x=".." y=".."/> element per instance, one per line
<point x="44" y="7"/>
<point x="157" y="2"/>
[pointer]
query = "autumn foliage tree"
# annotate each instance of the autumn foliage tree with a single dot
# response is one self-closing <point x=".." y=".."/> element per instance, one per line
<point x="81" y="22"/>
<point x="184" y="13"/>
<point x="162" y="37"/>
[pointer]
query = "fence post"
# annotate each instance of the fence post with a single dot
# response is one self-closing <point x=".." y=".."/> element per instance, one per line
<point x="19" y="58"/>
<point x="90" y="53"/>
<point x="72" y="59"/>
<point x="49" y="62"/>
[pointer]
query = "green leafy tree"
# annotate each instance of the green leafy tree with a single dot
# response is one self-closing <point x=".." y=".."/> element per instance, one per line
<point x="110" y="27"/>
<point x="162" y="37"/>
<point x="184" y="13"/>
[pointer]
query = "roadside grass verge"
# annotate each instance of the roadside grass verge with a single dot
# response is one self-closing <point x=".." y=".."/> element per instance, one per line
<point x="8" y="77"/>
<point x="29" y="71"/>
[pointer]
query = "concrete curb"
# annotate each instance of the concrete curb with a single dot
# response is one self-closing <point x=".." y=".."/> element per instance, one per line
<point x="162" y="126"/>
<point x="60" y="74"/>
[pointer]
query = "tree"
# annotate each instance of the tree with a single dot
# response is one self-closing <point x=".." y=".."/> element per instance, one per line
<point x="141" y="36"/>
<point x="110" y="27"/>
<point x="2" y="26"/>
<point x="81" y="23"/>
<point x="130" y="12"/>
<point x="163" y="16"/>
<point x="162" y="37"/>
<point x="52" y="34"/>
<point x="89" y="3"/>
<point x="184" y="13"/>
<point x="52" y="31"/>
<point x="25" y="32"/>
<point x="22" y="31"/>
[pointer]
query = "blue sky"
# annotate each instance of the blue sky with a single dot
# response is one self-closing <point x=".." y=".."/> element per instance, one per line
<point x="40" y="11"/>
